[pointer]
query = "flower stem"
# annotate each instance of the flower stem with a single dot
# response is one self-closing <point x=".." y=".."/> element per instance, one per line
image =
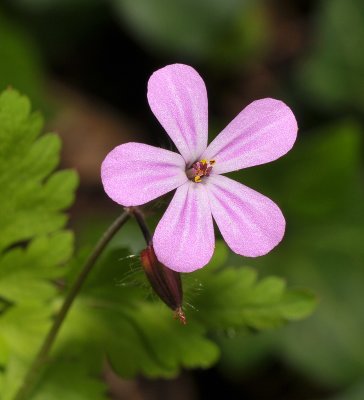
<point x="34" y="371"/>
<point x="142" y="224"/>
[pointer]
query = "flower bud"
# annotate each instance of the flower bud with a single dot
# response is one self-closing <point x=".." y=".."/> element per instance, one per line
<point x="165" y="282"/>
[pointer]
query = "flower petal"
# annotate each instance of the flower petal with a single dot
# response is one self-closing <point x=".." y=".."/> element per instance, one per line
<point x="264" y="131"/>
<point x="251" y="224"/>
<point x="184" y="238"/>
<point x="135" y="173"/>
<point x="178" y="98"/>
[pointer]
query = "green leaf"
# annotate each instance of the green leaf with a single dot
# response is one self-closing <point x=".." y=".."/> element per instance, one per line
<point x="139" y="336"/>
<point x="323" y="250"/>
<point x="30" y="202"/>
<point x="27" y="272"/>
<point x="233" y="297"/>
<point x="114" y="318"/>
<point x="32" y="246"/>
<point x="65" y="380"/>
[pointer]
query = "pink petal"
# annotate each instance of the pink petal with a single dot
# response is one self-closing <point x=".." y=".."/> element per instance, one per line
<point x="251" y="224"/>
<point x="184" y="238"/>
<point x="264" y="131"/>
<point x="177" y="96"/>
<point x="135" y="173"/>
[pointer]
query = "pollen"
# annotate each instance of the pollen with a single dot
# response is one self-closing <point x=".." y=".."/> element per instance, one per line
<point x="200" y="169"/>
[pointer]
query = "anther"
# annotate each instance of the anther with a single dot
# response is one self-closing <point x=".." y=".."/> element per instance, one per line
<point x="200" y="169"/>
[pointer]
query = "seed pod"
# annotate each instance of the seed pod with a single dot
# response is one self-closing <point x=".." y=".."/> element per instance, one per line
<point x="165" y="282"/>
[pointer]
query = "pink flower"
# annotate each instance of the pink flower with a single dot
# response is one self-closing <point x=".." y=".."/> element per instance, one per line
<point x="136" y="173"/>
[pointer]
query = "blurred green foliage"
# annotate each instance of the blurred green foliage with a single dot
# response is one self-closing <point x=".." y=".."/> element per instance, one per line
<point x="20" y="64"/>
<point x="332" y="77"/>
<point x="320" y="187"/>
<point x="356" y="392"/>
<point x="223" y="32"/>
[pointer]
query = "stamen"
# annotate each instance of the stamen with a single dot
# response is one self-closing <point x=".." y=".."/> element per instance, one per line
<point x="200" y="169"/>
